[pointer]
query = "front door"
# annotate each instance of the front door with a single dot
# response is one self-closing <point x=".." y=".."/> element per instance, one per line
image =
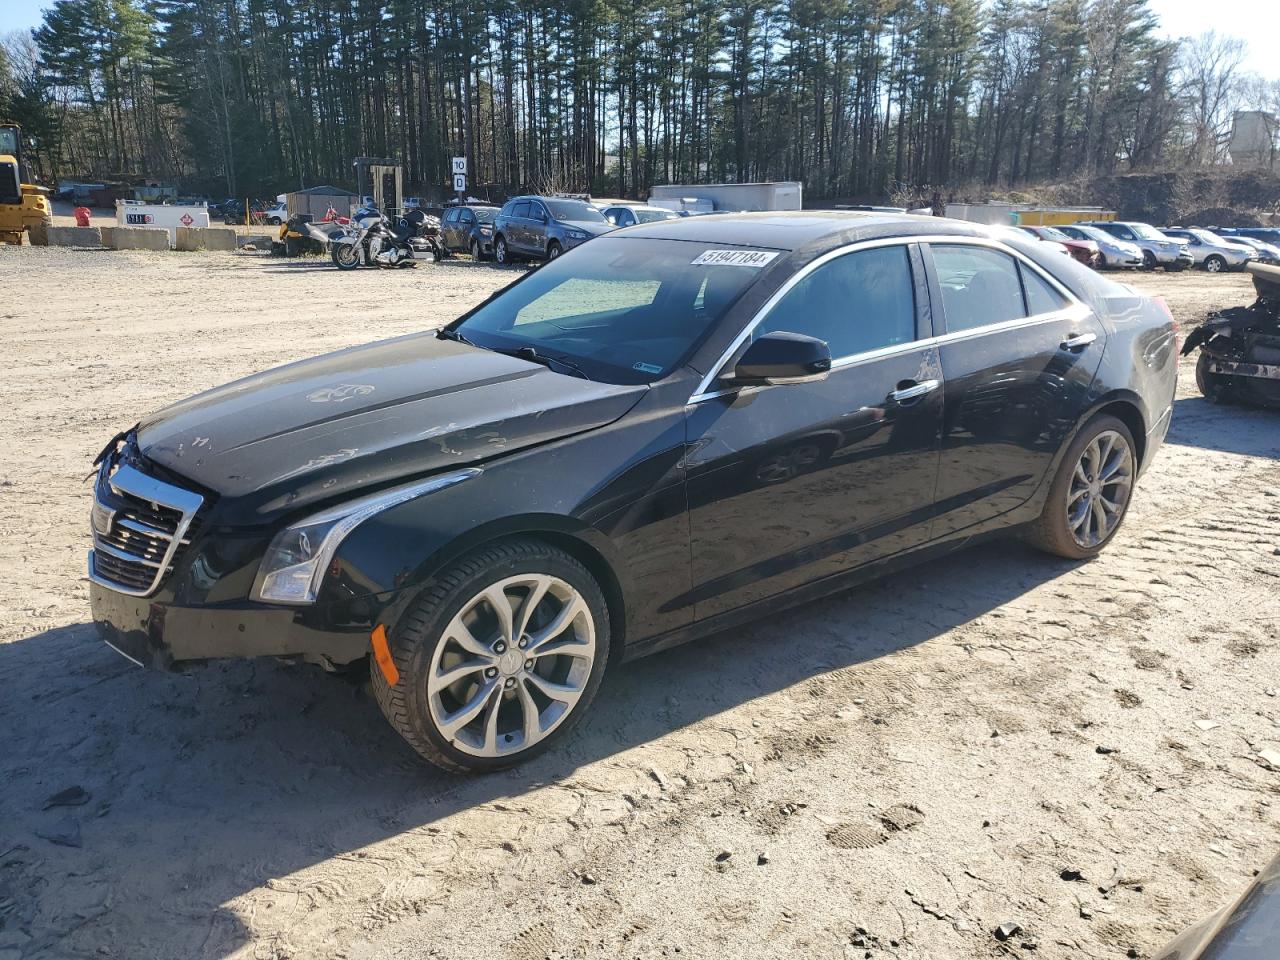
<point x="1018" y="358"/>
<point x="792" y="483"/>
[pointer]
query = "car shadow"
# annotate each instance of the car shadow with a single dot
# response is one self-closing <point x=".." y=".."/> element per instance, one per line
<point x="205" y="785"/>
<point x="1249" y="431"/>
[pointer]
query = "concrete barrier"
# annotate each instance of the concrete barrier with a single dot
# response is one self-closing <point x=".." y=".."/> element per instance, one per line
<point x="108" y="237"/>
<point x="139" y="238"/>
<point x="190" y="239"/>
<point x="74" y="237"/>
<point x="220" y="238"/>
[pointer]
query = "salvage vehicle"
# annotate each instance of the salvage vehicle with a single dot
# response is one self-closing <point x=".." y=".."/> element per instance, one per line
<point x="372" y="239"/>
<point x="629" y="214"/>
<point x="1212" y="252"/>
<point x="24" y="204"/>
<point x="1240" y="347"/>
<point x="542" y="228"/>
<point x="1086" y="251"/>
<point x="663" y="434"/>
<point x="1113" y="253"/>
<point x="468" y="229"/>
<point x="1267" y="252"/>
<point x="1248" y="928"/>
<point x="1157" y="249"/>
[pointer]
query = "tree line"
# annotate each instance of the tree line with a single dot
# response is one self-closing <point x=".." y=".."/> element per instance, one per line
<point x="855" y="98"/>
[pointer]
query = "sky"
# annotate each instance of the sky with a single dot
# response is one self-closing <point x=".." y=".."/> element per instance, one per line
<point x="1257" y="22"/>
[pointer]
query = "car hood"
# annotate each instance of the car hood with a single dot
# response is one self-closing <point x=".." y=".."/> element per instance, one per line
<point x="590" y="226"/>
<point x="367" y="416"/>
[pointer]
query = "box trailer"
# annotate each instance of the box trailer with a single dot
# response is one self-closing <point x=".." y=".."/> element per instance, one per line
<point x="781" y="195"/>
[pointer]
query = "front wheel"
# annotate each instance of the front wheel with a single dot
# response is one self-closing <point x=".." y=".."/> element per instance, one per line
<point x="553" y="250"/>
<point x="1215" y="264"/>
<point x="498" y="658"/>
<point x="1215" y="387"/>
<point x="346" y="256"/>
<point x="476" y="253"/>
<point x="501" y="253"/>
<point x="1090" y="493"/>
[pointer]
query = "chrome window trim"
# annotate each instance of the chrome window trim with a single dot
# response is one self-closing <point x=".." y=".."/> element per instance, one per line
<point x="135" y="483"/>
<point x="1075" y="309"/>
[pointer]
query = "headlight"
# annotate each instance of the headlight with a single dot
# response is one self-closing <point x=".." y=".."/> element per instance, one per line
<point x="299" y="555"/>
<point x="486" y="230"/>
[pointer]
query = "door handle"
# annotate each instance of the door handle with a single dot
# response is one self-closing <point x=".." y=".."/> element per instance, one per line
<point x="1078" y="341"/>
<point x="913" y="390"/>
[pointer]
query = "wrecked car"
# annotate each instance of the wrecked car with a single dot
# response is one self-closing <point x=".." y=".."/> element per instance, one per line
<point x="663" y="433"/>
<point x="1240" y="347"/>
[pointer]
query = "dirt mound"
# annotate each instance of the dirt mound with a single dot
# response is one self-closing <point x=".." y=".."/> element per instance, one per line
<point x="1220" y="217"/>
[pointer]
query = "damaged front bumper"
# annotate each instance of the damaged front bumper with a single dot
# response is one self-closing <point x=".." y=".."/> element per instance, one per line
<point x="158" y="634"/>
<point x="1240" y="346"/>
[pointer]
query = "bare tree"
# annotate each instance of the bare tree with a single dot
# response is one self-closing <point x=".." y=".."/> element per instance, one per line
<point x="1210" y="79"/>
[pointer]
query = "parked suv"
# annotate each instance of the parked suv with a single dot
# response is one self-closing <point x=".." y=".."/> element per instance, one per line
<point x="1212" y="252"/>
<point x="469" y="229"/>
<point x="1157" y="249"/>
<point x="542" y="228"/>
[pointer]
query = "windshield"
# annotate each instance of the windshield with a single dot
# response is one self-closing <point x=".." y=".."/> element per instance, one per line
<point x="1093" y="233"/>
<point x="485" y="214"/>
<point x="574" y="210"/>
<point x="9" y="141"/>
<point x="1052" y="233"/>
<point x="1146" y="232"/>
<point x="1208" y="236"/>
<point x="650" y="216"/>
<point x="623" y="310"/>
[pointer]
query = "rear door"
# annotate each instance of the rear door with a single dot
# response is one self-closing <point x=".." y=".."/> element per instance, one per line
<point x="448" y="233"/>
<point x="1018" y="354"/>
<point x="792" y="483"/>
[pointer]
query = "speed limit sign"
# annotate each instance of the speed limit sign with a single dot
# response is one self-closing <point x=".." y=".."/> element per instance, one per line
<point x="459" y="165"/>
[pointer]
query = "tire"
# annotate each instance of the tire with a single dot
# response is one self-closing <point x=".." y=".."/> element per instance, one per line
<point x="1057" y="531"/>
<point x="1175" y="268"/>
<point x="554" y="250"/>
<point x="1214" y="264"/>
<point x="1215" y="387"/>
<point x="424" y="645"/>
<point x="1148" y="260"/>
<point x="476" y="253"/>
<point x="500" y="252"/>
<point x="345" y="256"/>
<point x="274" y="221"/>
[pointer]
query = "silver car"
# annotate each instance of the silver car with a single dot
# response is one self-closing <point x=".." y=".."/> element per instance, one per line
<point x="1267" y="252"/>
<point x="1157" y="249"/>
<point x="1212" y="252"/>
<point x="1114" y="252"/>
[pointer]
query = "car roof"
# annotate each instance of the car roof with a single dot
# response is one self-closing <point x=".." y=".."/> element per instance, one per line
<point x="801" y="229"/>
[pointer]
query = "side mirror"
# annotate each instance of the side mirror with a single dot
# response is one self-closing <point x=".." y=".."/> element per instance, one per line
<point x="783" y="357"/>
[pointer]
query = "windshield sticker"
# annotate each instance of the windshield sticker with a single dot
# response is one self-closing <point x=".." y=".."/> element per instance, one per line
<point x="647" y="368"/>
<point x="734" y="258"/>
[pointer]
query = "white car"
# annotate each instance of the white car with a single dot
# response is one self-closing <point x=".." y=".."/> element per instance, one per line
<point x="628" y="215"/>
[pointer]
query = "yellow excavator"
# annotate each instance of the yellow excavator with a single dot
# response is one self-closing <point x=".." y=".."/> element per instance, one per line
<point x="24" y="205"/>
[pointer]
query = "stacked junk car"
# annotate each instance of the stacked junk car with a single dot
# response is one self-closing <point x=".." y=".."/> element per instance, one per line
<point x="1240" y="347"/>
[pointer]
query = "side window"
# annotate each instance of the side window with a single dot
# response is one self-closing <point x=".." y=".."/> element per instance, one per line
<point x="858" y="302"/>
<point x="1124" y="233"/>
<point x="466" y="216"/>
<point x="451" y="216"/>
<point x="537" y="211"/>
<point x="521" y="209"/>
<point x="626" y="219"/>
<point x="1041" y="297"/>
<point x="979" y="286"/>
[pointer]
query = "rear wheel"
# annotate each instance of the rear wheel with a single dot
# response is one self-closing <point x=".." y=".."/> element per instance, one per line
<point x="498" y="658"/>
<point x="1089" y="496"/>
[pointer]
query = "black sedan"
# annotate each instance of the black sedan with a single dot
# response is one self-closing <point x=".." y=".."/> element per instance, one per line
<point x="665" y="433"/>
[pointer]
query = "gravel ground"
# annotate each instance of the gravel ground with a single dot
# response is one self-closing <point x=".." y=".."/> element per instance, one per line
<point x="892" y="772"/>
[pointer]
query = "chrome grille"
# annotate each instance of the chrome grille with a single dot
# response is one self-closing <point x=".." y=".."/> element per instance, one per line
<point x="140" y="525"/>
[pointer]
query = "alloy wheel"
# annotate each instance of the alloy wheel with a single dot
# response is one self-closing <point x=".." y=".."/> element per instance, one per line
<point x="512" y="665"/>
<point x="1213" y="265"/>
<point x="1099" y="488"/>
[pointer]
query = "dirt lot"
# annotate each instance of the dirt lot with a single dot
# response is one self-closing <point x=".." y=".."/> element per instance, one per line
<point x="889" y="773"/>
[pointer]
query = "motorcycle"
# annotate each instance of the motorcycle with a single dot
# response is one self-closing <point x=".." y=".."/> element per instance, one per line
<point x="373" y="239"/>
